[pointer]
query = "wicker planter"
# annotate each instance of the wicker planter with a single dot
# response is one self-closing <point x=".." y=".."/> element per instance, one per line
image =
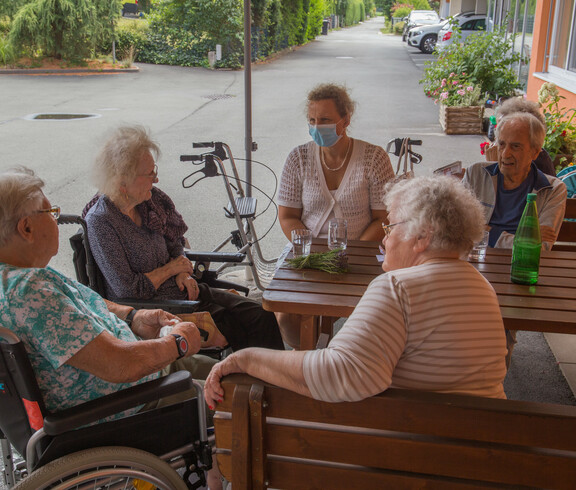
<point x="461" y="120"/>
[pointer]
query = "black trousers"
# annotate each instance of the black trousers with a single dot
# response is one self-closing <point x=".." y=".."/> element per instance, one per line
<point x="241" y="320"/>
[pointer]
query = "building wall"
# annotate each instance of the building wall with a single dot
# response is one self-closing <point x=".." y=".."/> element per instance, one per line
<point x="538" y="67"/>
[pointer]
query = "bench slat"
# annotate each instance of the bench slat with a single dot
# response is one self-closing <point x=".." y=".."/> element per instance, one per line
<point x="311" y="476"/>
<point x="423" y="454"/>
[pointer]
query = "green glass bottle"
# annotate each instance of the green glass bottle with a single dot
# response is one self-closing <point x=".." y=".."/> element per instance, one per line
<point x="527" y="245"/>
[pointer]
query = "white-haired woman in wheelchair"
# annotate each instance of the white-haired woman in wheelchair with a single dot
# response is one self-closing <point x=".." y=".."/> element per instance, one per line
<point x="81" y="346"/>
<point x="431" y="322"/>
<point x="137" y="238"/>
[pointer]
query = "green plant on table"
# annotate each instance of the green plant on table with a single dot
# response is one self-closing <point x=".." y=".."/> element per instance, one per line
<point x="560" y="126"/>
<point x="334" y="262"/>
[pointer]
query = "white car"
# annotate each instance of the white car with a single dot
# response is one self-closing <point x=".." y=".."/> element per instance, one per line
<point x="468" y="23"/>
<point x="418" y="18"/>
<point x="424" y="37"/>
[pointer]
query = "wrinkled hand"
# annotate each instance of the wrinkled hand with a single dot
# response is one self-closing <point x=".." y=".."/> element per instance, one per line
<point x="184" y="280"/>
<point x="213" y="391"/>
<point x="147" y="323"/>
<point x="190" y="332"/>
<point x="180" y="265"/>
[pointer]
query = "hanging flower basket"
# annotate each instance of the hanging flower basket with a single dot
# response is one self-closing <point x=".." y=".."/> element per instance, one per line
<point x="461" y="119"/>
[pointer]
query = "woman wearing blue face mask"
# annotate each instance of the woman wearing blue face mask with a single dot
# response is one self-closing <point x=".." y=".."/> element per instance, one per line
<point x="334" y="175"/>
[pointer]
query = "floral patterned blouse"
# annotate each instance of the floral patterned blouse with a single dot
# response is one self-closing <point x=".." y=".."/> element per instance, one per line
<point x="55" y="317"/>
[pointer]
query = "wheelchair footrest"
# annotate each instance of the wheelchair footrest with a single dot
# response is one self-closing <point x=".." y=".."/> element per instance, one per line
<point x="246" y="207"/>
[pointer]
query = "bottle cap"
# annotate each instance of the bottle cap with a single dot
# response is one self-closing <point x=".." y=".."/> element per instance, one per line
<point x="493" y="119"/>
<point x="531" y="197"/>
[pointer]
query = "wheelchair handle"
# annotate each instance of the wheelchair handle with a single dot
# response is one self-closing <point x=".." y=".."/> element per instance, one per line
<point x="415" y="142"/>
<point x="206" y="144"/>
<point x="70" y="219"/>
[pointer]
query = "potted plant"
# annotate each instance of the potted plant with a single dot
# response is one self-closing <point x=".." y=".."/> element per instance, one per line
<point x="485" y="61"/>
<point x="461" y="109"/>
<point x="560" y="141"/>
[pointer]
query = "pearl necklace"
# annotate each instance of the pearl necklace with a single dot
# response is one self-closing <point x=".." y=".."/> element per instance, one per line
<point x="343" y="161"/>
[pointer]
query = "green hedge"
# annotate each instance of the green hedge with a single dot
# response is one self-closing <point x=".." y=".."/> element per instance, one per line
<point x="181" y="32"/>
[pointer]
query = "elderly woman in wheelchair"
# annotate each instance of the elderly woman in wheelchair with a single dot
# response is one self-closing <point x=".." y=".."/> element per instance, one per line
<point x="80" y="346"/>
<point x="137" y="239"/>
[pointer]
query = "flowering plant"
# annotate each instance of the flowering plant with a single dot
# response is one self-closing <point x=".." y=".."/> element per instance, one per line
<point x="560" y="128"/>
<point x="454" y="90"/>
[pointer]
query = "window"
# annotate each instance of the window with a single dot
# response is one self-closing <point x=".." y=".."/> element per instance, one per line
<point x="563" y="39"/>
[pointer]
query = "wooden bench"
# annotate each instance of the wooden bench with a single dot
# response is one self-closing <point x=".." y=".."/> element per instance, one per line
<point x="269" y="437"/>
<point x="567" y="237"/>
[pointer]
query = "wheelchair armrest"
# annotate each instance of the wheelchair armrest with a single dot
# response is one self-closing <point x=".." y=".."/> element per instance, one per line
<point x="215" y="256"/>
<point x="174" y="306"/>
<point x="94" y="410"/>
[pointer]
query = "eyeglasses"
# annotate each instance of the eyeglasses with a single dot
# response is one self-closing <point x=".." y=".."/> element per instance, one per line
<point x="151" y="175"/>
<point x="54" y="211"/>
<point x="388" y="228"/>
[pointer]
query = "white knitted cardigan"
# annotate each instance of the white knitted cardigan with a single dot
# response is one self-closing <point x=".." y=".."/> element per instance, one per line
<point x="303" y="186"/>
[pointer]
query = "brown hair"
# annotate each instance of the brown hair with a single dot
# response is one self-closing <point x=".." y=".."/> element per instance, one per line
<point x="338" y="93"/>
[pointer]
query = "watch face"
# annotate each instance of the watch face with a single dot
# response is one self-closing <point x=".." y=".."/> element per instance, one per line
<point x="183" y="344"/>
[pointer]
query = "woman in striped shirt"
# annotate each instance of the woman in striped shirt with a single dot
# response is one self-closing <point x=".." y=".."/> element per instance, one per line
<point x="431" y="322"/>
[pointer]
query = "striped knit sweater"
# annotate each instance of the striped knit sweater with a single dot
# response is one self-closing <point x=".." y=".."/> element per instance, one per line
<point x="433" y="327"/>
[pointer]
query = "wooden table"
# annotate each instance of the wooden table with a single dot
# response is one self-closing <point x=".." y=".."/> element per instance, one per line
<point x="549" y="306"/>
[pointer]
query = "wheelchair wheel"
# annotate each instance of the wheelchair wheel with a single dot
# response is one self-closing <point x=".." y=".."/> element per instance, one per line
<point x="105" y="468"/>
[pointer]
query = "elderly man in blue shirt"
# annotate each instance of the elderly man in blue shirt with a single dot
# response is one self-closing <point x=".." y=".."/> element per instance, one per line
<point x="502" y="187"/>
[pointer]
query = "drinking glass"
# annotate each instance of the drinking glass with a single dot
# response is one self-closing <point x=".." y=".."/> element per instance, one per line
<point x="337" y="234"/>
<point x="301" y="242"/>
<point x="478" y="251"/>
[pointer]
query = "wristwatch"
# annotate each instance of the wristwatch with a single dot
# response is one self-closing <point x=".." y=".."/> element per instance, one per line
<point x="182" y="345"/>
<point x="130" y="317"/>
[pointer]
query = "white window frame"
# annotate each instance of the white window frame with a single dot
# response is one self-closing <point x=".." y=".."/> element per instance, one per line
<point x="560" y="76"/>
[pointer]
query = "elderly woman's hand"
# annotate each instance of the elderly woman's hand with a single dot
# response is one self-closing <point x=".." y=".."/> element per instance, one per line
<point x="180" y="265"/>
<point x="147" y="323"/>
<point x="190" y="331"/>
<point x="184" y="280"/>
<point x="213" y="391"/>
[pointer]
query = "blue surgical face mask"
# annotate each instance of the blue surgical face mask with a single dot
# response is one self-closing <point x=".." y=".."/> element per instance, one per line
<point x="324" y="134"/>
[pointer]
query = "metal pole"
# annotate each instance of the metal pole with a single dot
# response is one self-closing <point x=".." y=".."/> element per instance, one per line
<point x="248" y="94"/>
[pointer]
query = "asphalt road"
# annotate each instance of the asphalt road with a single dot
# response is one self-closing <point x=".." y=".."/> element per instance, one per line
<point x="182" y="105"/>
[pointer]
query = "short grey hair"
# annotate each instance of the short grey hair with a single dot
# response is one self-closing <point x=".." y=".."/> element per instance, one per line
<point x="520" y="104"/>
<point x="20" y="195"/>
<point x="440" y="206"/>
<point x="118" y="160"/>
<point x="536" y="130"/>
<point x="338" y="93"/>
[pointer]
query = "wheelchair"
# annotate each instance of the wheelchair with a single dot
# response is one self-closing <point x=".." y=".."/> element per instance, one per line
<point x="61" y="450"/>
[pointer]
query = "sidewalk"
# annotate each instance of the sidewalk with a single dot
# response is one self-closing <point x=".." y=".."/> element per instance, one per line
<point x="564" y="348"/>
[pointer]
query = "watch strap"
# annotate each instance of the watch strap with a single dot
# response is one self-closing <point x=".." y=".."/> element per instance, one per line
<point x="130" y="317"/>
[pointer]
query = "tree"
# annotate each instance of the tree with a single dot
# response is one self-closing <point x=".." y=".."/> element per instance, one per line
<point x="64" y="29"/>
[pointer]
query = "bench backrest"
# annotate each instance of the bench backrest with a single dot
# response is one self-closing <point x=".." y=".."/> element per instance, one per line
<point x="270" y="437"/>
<point x="568" y="228"/>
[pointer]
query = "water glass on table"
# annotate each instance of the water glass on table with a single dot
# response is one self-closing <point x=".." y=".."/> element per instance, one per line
<point x="301" y="242"/>
<point x="337" y="234"/>
<point x="478" y="251"/>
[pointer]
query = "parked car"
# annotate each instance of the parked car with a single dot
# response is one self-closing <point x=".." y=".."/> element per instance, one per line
<point x="417" y="18"/>
<point x="468" y="23"/>
<point x="425" y="37"/>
